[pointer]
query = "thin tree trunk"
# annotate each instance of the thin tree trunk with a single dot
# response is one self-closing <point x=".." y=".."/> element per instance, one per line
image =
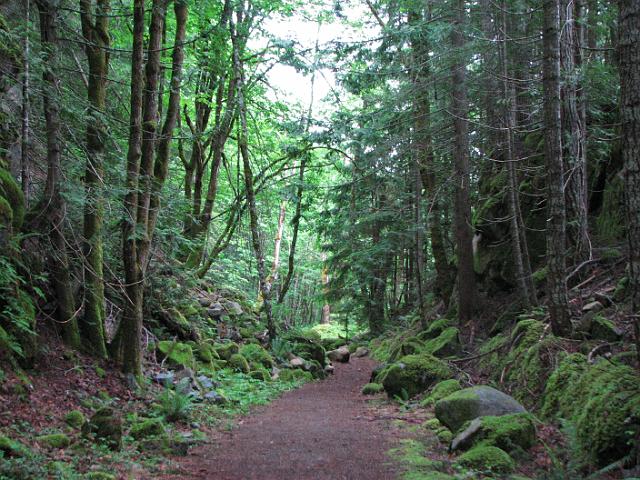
<point x="25" y="167"/>
<point x="248" y="180"/>
<point x="55" y="204"/>
<point x="629" y="64"/>
<point x="96" y="35"/>
<point x="464" y="236"/>
<point x="513" y="201"/>
<point x="556" y="223"/>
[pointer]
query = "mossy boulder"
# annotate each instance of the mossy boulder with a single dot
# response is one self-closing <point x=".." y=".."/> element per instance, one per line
<point x="440" y="391"/>
<point x="602" y="328"/>
<point x="206" y="353"/>
<point x="414" y="374"/>
<point x="309" y="349"/>
<point x="446" y="344"/>
<point x="225" y="350"/>
<point x="239" y="363"/>
<point x="105" y="426"/>
<point x="465" y="405"/>
<point x="487" y="457"/>
<point x="12" y="194"/>
<point x="434" y="329"/>
<point x="372" y="389"/>
<point x="75" y="419"/>
<point x="408" y="346"/>
<point x="177" y="353"/>
<point x="54" y="440"/>
<point x="150" y="427"/>
<point x="256" y="355"/>
<point x="13" y="448"/>
<point x="512" y="433"/>
<point x="262" y="375"/>
<point x="602" y="402"/>
<point x="294" y="375"/>
<point x="99" y="476"/>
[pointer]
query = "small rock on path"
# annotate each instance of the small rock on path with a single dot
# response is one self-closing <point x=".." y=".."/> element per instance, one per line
<point x="323" y="430"/>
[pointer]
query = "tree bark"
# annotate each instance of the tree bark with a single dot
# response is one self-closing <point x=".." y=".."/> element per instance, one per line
<point x="95" y="30"/>
<point x="25" y="164"/>
<point x="574" y="131"/>
<point x="54" y="203"/>
<point x="629" y="64"/>
<point x="463" y="233"/>
<point x="556" y="223"/>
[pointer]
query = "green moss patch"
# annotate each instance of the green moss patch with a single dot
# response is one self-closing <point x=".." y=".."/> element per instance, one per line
<point x="54" y="440"/>
<point x="13" y="448"/>
<point x="440" y="391"/>
<point x="150" y="427"/>
<point x="239" y="363"/>
<point x="177" y="353"/>
<point x="444" y="345"/>
<point x="74" y="419"/>
<point x="487" y="457"/>
<point x="414" y="374"/>
<point x="257" y="355"/>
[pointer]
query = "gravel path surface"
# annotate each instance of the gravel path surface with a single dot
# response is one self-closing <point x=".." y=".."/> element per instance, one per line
<point x="323" y="430"/>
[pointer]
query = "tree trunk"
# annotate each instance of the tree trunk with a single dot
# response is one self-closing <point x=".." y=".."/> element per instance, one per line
<point x="96" y="35"/>
<point x="574" y="132"/>
<point x="54" y="202"/>
<point x="464" y="236"/>
<point x="518" y="237"/>
<point x="556" y="223"/>
<point x="147" y="164"/>
<point x="249" y="186"/>
<point x="629" y="64"/>
<point x="129" y="335"/>
<point x="25" y="166"/>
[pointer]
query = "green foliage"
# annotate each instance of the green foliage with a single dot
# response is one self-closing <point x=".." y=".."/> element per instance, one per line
<point x="413" y="458"/>
<point x="11" y="193"/>
<point x="174" y="405"/>
<point x="372" y="389"/>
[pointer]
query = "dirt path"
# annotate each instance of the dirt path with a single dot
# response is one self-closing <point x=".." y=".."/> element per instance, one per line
<point x="324" y="430"/>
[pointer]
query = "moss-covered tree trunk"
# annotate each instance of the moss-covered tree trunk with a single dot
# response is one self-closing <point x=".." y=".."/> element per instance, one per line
<point x="95" y="29"/>
<point x="147" y="165"/>
<point x="556" y="223"/>
<point x="54" y="203"/>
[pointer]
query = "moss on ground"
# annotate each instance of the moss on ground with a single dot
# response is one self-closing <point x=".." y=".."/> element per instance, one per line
<point x="487" y="457"/>
<point x="256" y="355"/>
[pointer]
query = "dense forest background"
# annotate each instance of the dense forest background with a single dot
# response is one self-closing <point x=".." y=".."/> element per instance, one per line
<point x="477" y="162"/>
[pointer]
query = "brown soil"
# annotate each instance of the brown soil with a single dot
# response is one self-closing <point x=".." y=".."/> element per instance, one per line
<point x="324" y="430"/>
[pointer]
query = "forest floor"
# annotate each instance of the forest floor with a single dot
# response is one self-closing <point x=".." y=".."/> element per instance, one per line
<point x="324" y="429"/>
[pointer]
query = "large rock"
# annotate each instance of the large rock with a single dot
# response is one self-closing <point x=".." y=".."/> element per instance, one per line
<point x="469" y="403"/>
<point x="341" y="355"/>
<point x="361" y="352"/>
<point x="508" y="432"/>
<point x="177" y="353"/>
<point x="413" y="374"/>
<point x="106" y="426"/>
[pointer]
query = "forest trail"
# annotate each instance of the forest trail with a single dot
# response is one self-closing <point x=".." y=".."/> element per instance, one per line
<point x="323" y="430"/>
